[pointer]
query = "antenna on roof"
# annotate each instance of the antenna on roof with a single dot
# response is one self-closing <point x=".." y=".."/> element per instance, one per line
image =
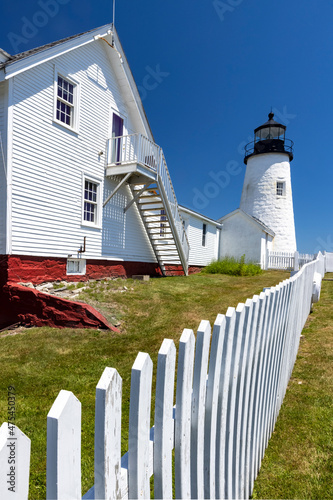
<point x="114" y="13"/>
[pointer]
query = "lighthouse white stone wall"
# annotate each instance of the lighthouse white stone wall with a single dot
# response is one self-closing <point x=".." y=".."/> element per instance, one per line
<point x="267" y="195"/>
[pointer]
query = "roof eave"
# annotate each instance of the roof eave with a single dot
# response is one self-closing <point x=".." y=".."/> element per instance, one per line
<point x="15" y="67"/>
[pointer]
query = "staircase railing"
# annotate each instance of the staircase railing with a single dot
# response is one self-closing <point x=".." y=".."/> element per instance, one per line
<point x="132" y="148"/>
<point x="136" y="148"/>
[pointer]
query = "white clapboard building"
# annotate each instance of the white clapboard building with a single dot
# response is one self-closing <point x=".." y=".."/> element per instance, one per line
<point x="84" y="189"/>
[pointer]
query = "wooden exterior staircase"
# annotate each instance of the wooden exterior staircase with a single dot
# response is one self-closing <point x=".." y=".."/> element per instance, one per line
<point x="141" y="164"/>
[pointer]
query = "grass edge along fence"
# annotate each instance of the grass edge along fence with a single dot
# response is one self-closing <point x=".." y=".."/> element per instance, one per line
<point x="229" y="390"/>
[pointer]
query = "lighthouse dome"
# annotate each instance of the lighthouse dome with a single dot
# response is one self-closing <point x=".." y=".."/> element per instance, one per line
<point x="269" y="138"/>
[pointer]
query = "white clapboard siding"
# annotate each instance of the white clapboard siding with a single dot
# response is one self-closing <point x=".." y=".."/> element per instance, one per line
<point x="63" y="468"/>
<point x="229" y="390"/>
<point x="50" y="162"/>
<point x="14" y="463"/>
<point x="201" y="255"/>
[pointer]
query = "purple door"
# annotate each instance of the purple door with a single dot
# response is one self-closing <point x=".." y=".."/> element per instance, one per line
<point x="117" y="131"/>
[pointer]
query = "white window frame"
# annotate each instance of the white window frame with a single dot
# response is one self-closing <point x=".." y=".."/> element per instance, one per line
<point x="81" y="267"/>
<point x="204" y="234"/>
<point x="280" y="190"/>
<point x="98" y="222"/>
<point x="74" y="127"/>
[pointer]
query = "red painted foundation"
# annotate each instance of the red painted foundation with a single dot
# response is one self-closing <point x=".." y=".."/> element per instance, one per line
<point x="35" y="308"/>
<point x="28" y="306"/>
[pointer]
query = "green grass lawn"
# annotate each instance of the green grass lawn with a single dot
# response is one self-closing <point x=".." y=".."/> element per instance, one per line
<point x="298" y="462"/>
<point x="40" y="362"/>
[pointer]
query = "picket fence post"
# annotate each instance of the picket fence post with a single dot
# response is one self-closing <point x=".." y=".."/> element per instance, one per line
<point x="223" y="403"/>
<point x="211" y="420"/>
<point x="108" y="435"/>
<point x="14" y="463"/>
<point x="183" y="415"/>
<point x="164" y="423"/>
<point x="139" y="428"/>
<point x="198" y="409"/>
<point x="63" y="467"/>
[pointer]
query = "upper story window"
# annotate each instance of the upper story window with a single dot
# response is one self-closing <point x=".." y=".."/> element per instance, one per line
<point x="204" y="233"/>
<point x="280" y="188"/>
<point x="66" y="102"/>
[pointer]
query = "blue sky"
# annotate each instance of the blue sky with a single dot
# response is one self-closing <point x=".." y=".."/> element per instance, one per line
<point x="219" y="66"/>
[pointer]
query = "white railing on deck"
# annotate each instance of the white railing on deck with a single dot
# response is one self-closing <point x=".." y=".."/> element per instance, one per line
<point x="229" y="390"/>
<point x="136" y="148"/>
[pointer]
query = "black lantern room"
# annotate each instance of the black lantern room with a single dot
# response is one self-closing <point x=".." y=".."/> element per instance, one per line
<point x="269" y="138"/>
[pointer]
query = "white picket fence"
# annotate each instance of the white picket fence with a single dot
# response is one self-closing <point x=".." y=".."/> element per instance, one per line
<point x="229" y="389"/>
<point x="288" y="261"/>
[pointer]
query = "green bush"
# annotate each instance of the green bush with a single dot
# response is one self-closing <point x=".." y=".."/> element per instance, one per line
<point x="233" y="267"/>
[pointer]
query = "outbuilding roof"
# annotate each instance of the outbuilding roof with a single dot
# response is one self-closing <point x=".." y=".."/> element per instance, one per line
<point x="257" y="221"/>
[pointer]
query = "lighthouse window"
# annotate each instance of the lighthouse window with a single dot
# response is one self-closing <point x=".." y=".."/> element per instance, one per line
<point x="280" y="188"/>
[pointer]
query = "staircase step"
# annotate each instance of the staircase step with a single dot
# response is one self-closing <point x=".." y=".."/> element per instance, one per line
<point x="156" y="217"/>
<point x="162" y="238"/>
<point x="157" y="202"/>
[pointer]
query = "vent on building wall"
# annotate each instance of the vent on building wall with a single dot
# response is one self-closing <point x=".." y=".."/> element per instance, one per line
<point x="76" y="266"/>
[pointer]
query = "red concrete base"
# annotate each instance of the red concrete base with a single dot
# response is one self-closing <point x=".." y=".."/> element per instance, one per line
<point x="26" y="305"/>
<point x="34" y="308"/>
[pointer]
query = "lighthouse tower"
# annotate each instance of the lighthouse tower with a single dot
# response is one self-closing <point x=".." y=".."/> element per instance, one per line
<point x="267" y="194"/>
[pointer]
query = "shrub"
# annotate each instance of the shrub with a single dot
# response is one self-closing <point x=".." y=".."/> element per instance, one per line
<point x="233" y="267"/>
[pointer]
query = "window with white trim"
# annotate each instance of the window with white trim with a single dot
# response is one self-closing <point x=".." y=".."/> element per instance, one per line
<point x="91" y="202"/>
<point x="280" y="188"/>
<point x="204" y="233"/>
<point x="66" y="93"/>
<point x="76" y="266"/>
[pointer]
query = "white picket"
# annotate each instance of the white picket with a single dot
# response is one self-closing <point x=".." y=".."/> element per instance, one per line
<point x="164" y="423"/>
<point x="241" y="412"/>
<point x="269" y="403"/>
<point x="139" y="428"/>
<point x="183" y="415"/>
<point x="108" y="435"/>
<point x="252" y="436"/>
<point x="213" y="384"/>
<point x="247" y="419"/>
<point x="233" y="397"/>
<point x="14" y="463"/>
<point x="276" y="365"/>
<point x="223" y="403"/>
<point x="63" y="467"/>
<point x="262" y="374"/>
<point x="198" y="409"/>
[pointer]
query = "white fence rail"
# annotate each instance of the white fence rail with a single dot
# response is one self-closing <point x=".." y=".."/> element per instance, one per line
<point x="329" y="262"/>
<point x="288" y="261"/>
<point x="226" y="407"/>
